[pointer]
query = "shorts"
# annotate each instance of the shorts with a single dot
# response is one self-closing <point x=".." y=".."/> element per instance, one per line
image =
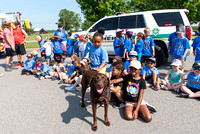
<point x="48" y="57"/>
<point x="20" y="49"/>
<point x="144" y="59"/>
<point x="149" y="79"/>
<point x="57" y="55"/>
<point x="194" y="90"/>
<point x="9" y="52"/>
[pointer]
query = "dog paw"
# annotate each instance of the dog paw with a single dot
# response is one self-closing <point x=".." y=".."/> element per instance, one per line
<point x="107" y="123"/>
<point x="94" y="128"/>
<point x="83" y="105"/>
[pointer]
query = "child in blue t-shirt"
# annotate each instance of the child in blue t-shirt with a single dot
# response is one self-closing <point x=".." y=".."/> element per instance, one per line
<point x="88" y="45"/>
<point x="28" y="65"/>
<point x="128" y="44"/>
<point x="139" y="45"/>
<point x="98" y="54"/>
<point x="151" y="75"/>
<point x="76" y="50"/>
<point x="192" y="88"/>
<point x="63" y="34"/>
<point x="149" y="46"/>
<point x="119" y="43"/>
<point x="196" y="48"/>
<point x="171" y="46"/>
<point x="132" y="56"/>
<point x="41" y="43"/>
<point x="181" y="46"/>
<point x="69" y="45"/>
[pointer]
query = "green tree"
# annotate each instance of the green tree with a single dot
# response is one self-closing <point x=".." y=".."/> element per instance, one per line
<point x="28" y="31"/>
<point x="70" y="20"/>
<point x="86" y="24"/>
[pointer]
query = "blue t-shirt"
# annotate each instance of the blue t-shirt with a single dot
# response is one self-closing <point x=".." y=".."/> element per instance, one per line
<point x="41" y="43"/>
<point x="172" y="38"/>
<point x="139" y="46"/>
<point x="61" y="34"/>
<point x="70" y="44"/>
<point x="57" y="48"/>
<point x="110" y="68"/>
<point x="148" y="72"/>
<point x="45" y="68"/>
<point x="196" y="44"/>
<point x="87" y="48"/>
<point x="97" y="56"/>
<point x="119" y="51"/>
<point x="126" y="65"/>
<point x="76" y="50"/>
<point x="29" y="65"/>
<point x="70" y="70"/>
<point x="180" y="46"/>
<point x="147" y="48"/>
<point x="128" y="45"/>
<point x="193" y="80"/>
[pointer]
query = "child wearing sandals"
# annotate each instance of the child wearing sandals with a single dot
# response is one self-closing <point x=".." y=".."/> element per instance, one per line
<point x="192" y="88"/>
<point x="175" y="74"/>
<point x="132" y="93"/>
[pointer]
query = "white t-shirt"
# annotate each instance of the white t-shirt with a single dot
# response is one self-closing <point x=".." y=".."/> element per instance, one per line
<point x="48" y="48"/>
<point x="82" y="46"/>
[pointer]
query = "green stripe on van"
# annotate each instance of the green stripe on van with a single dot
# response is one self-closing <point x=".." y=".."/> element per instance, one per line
<point x="159" y="36"/>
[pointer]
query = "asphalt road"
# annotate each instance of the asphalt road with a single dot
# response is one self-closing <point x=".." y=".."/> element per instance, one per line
<point x="29" y="105"/>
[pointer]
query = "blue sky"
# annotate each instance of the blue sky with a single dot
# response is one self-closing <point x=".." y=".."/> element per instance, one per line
<point x="41" y="13"/>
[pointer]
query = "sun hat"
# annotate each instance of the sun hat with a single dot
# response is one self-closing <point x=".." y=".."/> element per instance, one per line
<point x="29" y="55"/>
<point x="133" y="53"/>
<point x="119" y="30"/>
<point x="152" y="59"/>
<point x="180" y="30"/>
<point x="34" y="53"/>
<point x="176" y="62"/>
<point x="81" y="37"/>
<point x="129" y="33"/>
<point x="136" y="64"/>
<point x="196" y="65"/>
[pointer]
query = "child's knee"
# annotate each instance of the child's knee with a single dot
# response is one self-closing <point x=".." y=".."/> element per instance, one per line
<point x="129" y="116"/>
<point x="148" y="118"/>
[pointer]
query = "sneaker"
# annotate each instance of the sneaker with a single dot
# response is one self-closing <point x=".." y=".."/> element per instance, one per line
<point x="22" y="64"/>
<point x="151" y="108"/>
<point x="70" y="88"/>
<point x="1" y="74"/>
<point x="184" y="95"/>
<point x="61" y="82"/>
<point x="47" y="77"/>
<point x="119" y="105"/>
<point x="177" y="90"/>
<point x="7" y="69"/>
<point x="17" y="64"/>
<point x="164" y="87"/>
<point x="154" y="88"/>
<point x="41" y="78"/>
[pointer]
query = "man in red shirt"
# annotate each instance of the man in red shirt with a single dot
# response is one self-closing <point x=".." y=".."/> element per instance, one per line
<point x="20" y="37"/>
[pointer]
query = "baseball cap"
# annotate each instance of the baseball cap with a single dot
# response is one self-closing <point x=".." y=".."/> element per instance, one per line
<point x="39" y="37"/>
<point x="17" y="23"/>
<point x="180" y="30"/>
<point x="129" y="33"/>
<point x="136" y="64"/>
<point x="60" y="25"/>
<point x="133" y="53"/>
<point x="41" y="59"/>
<point x="47" y="38"/>
<point x="68" y="61"/>
<point x="81" y="37"/>
<point x="76" y="36"/>
<point x="176" y="62"/>
<point x="119" y="30"/>
<point x="196" y="65"/>
<point x="152" y="59"/>
<point x="29" y="55"/>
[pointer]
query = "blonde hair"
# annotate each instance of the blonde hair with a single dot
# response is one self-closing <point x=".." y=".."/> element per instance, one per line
<point x="147" y="30"/>
<point x="7" y="25"/>
<point x="89" y="36"/>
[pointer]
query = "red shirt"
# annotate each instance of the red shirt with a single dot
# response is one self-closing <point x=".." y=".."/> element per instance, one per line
<point x="18" y="35"/>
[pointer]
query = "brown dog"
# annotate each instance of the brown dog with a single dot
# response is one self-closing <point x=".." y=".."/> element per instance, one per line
<point x="99" y="92"/>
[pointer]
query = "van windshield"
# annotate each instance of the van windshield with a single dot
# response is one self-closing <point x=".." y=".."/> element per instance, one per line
<point x="168" y="19"/>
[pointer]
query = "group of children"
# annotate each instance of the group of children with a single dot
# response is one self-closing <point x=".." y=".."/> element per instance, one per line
<point x="128" y="79"/>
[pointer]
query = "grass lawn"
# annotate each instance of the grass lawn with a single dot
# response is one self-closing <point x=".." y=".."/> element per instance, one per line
<point x="32" y="45"/>
<point x="33" y="36"/>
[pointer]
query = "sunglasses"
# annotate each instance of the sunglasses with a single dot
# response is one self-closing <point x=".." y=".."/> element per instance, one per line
<point x="197" y="68"/>
<point x="132" y="56"/>
<point x="149" y="62"/>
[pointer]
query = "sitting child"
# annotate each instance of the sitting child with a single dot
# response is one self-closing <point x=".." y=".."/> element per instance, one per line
<point x="132" y="56"/>
<point x="151" y="75"/>
<point x="76" y="75"/>
<point x="192" y="88"/>
<point x="115" y="59"/>
<point x="175" y="75"/>
<point x="45" y="69"/>
<point x="37" y="66"/>
<point x="132" y="92"/>
<point x="28" y="65"/>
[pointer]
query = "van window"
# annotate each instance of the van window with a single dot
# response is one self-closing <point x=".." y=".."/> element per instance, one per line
<point x="168" y="19"/>
<point x="108" y="24"/>
<point x="132" y="21"/>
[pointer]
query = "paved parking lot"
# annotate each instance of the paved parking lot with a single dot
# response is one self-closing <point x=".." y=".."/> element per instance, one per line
<point x="29" y="105"/>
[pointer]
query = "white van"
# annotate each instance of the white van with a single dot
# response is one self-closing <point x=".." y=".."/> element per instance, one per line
<point x="161" y="22"/>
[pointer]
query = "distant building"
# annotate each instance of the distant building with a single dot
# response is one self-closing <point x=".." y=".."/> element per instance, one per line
<point x="39" y="31"/>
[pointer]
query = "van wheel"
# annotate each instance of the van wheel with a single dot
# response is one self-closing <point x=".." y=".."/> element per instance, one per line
<point x="160" y="55"/>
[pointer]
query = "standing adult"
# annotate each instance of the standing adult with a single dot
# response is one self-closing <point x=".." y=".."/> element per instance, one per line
<point x="9" y="45"/>
<point x="63" y="34"/>
<point x="20" y="37"/>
